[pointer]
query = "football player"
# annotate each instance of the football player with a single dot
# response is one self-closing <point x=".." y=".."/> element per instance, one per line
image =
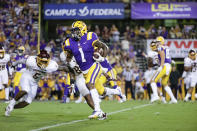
<point x="153" y="63"/>
<point x="4" y="60"/>
<point x="20" y="67"/>
<point x="80" y="80"/>
<point x="37" y="67"/>
<point x="109" y="74"/>
<point x="190" y="66"/>
<point x="81" y="45"/>
<point x="163" y="72"/>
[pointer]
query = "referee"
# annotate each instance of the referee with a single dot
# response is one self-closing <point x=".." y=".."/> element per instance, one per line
<point x="128" y="77"/>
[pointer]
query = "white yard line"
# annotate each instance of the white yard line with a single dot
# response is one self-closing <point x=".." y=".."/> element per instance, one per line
<point x="76" y="121"/>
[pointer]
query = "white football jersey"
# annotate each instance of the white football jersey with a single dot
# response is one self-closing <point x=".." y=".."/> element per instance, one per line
<point x="36" y="72"/>
<point x="72" y="64"/>
<point x="154" y="56"/>
<point x="194" y="66"/>
<point x="4" y="61"/>
<point x="187" y="63"/>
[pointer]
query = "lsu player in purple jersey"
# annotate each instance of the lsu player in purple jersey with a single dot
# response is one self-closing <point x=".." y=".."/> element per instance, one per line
<point x="163" y="72"/>
<point x="19" y="68"/>
<point x="108" y="74"/>
<point x="81" y="45"/>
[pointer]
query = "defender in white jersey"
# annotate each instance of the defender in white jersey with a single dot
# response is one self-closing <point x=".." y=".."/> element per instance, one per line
<point x="153" y="62"/>
<point x="191" y="67"/>
<point x="4" y="59"/>
<point x="37" y="67"/>
<point x="187" y="73"/>
<point x="80" y="82"/>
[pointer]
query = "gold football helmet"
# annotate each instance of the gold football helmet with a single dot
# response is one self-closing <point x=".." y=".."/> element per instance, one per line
<point x="160" y="39"/>
<point x="43" y="59"/>
<point x="81" y="25"/>
<point x="2" y="52"/>
<point x="154" y="45"/>
<point x="21" y="50"/>
<point x="192" y="54"/>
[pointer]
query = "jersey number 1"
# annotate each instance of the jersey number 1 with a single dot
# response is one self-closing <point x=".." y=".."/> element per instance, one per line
<point x="82" y="55"/>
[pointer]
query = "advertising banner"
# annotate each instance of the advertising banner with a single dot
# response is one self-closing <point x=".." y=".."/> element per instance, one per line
<point x="84" y="11"/>
<point x="175" y="10"/>
<point x="179" y="48"/>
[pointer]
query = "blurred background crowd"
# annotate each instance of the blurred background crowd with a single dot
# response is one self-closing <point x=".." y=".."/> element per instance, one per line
<point x="19" y="26"/>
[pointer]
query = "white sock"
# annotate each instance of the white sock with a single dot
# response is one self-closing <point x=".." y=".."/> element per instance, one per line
<point x="187" y="96"/>
<point x="154" y="89"/>
<point x="95" y="97"/>
<point x="112" y="91"/>
<point x="169" y="91"/>
<point x="12" y="102"/>
<point x="7" y="93"/>
<point x="80" y="97"/>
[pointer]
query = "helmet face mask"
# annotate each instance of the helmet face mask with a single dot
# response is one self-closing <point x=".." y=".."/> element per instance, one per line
<point x="43" y="59"/>
<point x="21" y="50"/>
<point x="154" y="45"/>
<point x="76" y="34"/>
<point x="79" y="28"/>
<point x="192" y="54"/>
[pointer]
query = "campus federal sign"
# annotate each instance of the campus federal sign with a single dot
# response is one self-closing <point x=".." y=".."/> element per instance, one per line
<point x="84" y="11"/>
<point x="175" y="10"/>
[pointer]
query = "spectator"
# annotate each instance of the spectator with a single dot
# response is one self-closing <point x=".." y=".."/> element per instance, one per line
<point x="125" y="44"/>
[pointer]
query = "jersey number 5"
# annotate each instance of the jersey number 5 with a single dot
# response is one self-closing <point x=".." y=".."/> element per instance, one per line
<point x="82" y="55"/>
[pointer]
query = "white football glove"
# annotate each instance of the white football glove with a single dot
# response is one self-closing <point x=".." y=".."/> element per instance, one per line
<point x="100" y="58"/>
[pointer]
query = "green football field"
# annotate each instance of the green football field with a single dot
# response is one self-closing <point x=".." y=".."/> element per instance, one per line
<point x="128" y="116"/>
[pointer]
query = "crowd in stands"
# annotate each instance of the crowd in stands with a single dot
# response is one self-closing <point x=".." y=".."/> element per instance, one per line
<point x="110" y="1"/>
<point x="19" y="26"/>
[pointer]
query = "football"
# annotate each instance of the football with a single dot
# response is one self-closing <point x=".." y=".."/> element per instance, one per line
<point x="98" y="50"/>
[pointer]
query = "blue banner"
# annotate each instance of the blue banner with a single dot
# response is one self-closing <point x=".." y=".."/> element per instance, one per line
<point x="84" y="11"/>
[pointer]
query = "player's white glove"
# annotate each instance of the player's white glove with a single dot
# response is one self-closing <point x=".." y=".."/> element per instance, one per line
<point x="99" y="59"/>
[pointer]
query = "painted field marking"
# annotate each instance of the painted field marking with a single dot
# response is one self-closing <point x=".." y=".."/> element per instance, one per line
<point x="77" y="121"/>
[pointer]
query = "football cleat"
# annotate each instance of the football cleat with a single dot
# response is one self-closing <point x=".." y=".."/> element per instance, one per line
<point x="100" y="115"/>
<point x="173" y="101"/>
<point x="163" y="99"/>
<point x="155" y="98"/>
<point x="103" y="116"/>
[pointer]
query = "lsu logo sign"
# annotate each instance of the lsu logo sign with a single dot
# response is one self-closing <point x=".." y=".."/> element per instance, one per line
<point x="179" y="48"/>
<point x="169" y="7"/>
<point x="174" y="10"/>
<point x="84" y="11"/>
